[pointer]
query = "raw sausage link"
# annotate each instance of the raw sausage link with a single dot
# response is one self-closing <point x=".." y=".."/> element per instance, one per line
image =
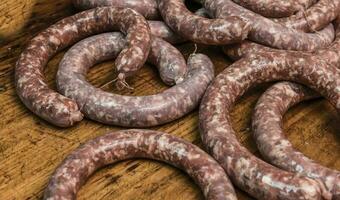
<point x="147" y="8"/>
<point x="30" y="82"/>
<point x="273" y="144"/>
<point x="267" y="32"/>
<point x="122" y="145"/>
<point x="268" y="132"/>
<point x="169" y="61"/>
<point x="251" y="174"/>
<point x="275" y="8"/>
<point x="199" y="29"/>
<point x="130" y="111"/>
<point x="315" y="18"/>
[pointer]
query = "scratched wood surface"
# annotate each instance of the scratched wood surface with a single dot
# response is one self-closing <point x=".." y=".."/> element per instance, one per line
<point x="30" y="148"/>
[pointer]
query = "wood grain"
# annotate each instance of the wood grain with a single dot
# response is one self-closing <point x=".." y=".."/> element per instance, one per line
<point x="30" y="148"/>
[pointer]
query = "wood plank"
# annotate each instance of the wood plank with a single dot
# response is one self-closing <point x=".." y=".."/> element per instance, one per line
<point x="30" y="148"/>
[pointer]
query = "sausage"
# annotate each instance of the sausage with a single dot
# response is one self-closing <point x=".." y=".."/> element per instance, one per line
<point x="268" y="133"/>
<point x="199" y="29"/>
<point x="130" y="111"/>
<point x="169" y="61"/>
<point x="249" y="173"/>
<point x="272" y="143"/>
<point x="30" y="81"/>
<point x="128" y="144"/>
<point x="147" y="8"/>
<point x="275" y="8"/>
<point x="315" y="18"/>
<point x="265" y="31"/>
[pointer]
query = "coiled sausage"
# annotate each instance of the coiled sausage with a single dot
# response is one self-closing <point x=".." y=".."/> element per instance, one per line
<point x="131" y="111"/>
<point x="251" y="174"/>
<point x="29" y="79"/>
<point x="121" y="145"/>
<point x="268" y="132"/>
<point x="273" y="144"/>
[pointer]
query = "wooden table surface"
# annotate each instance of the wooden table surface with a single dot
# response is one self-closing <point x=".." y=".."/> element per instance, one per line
<point x="31" y="149"/>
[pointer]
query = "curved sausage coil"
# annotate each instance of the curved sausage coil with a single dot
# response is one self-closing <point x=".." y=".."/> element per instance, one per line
<point x="62" y="111"/>
<point x="272" y="143"/>
<point x="251" y="174"/>
<point x="269" y="135"/>
<point x="29" y="79"/>
<point x="129" y="144"/>
<point x="131" y="111"/>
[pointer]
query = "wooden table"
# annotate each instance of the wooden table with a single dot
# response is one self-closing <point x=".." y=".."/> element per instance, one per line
<point x="30" y="148"/>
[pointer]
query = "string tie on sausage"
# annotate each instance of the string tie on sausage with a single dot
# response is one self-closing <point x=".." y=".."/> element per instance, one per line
<point x="194" y="52"/>
<point x="120" y="83"/>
